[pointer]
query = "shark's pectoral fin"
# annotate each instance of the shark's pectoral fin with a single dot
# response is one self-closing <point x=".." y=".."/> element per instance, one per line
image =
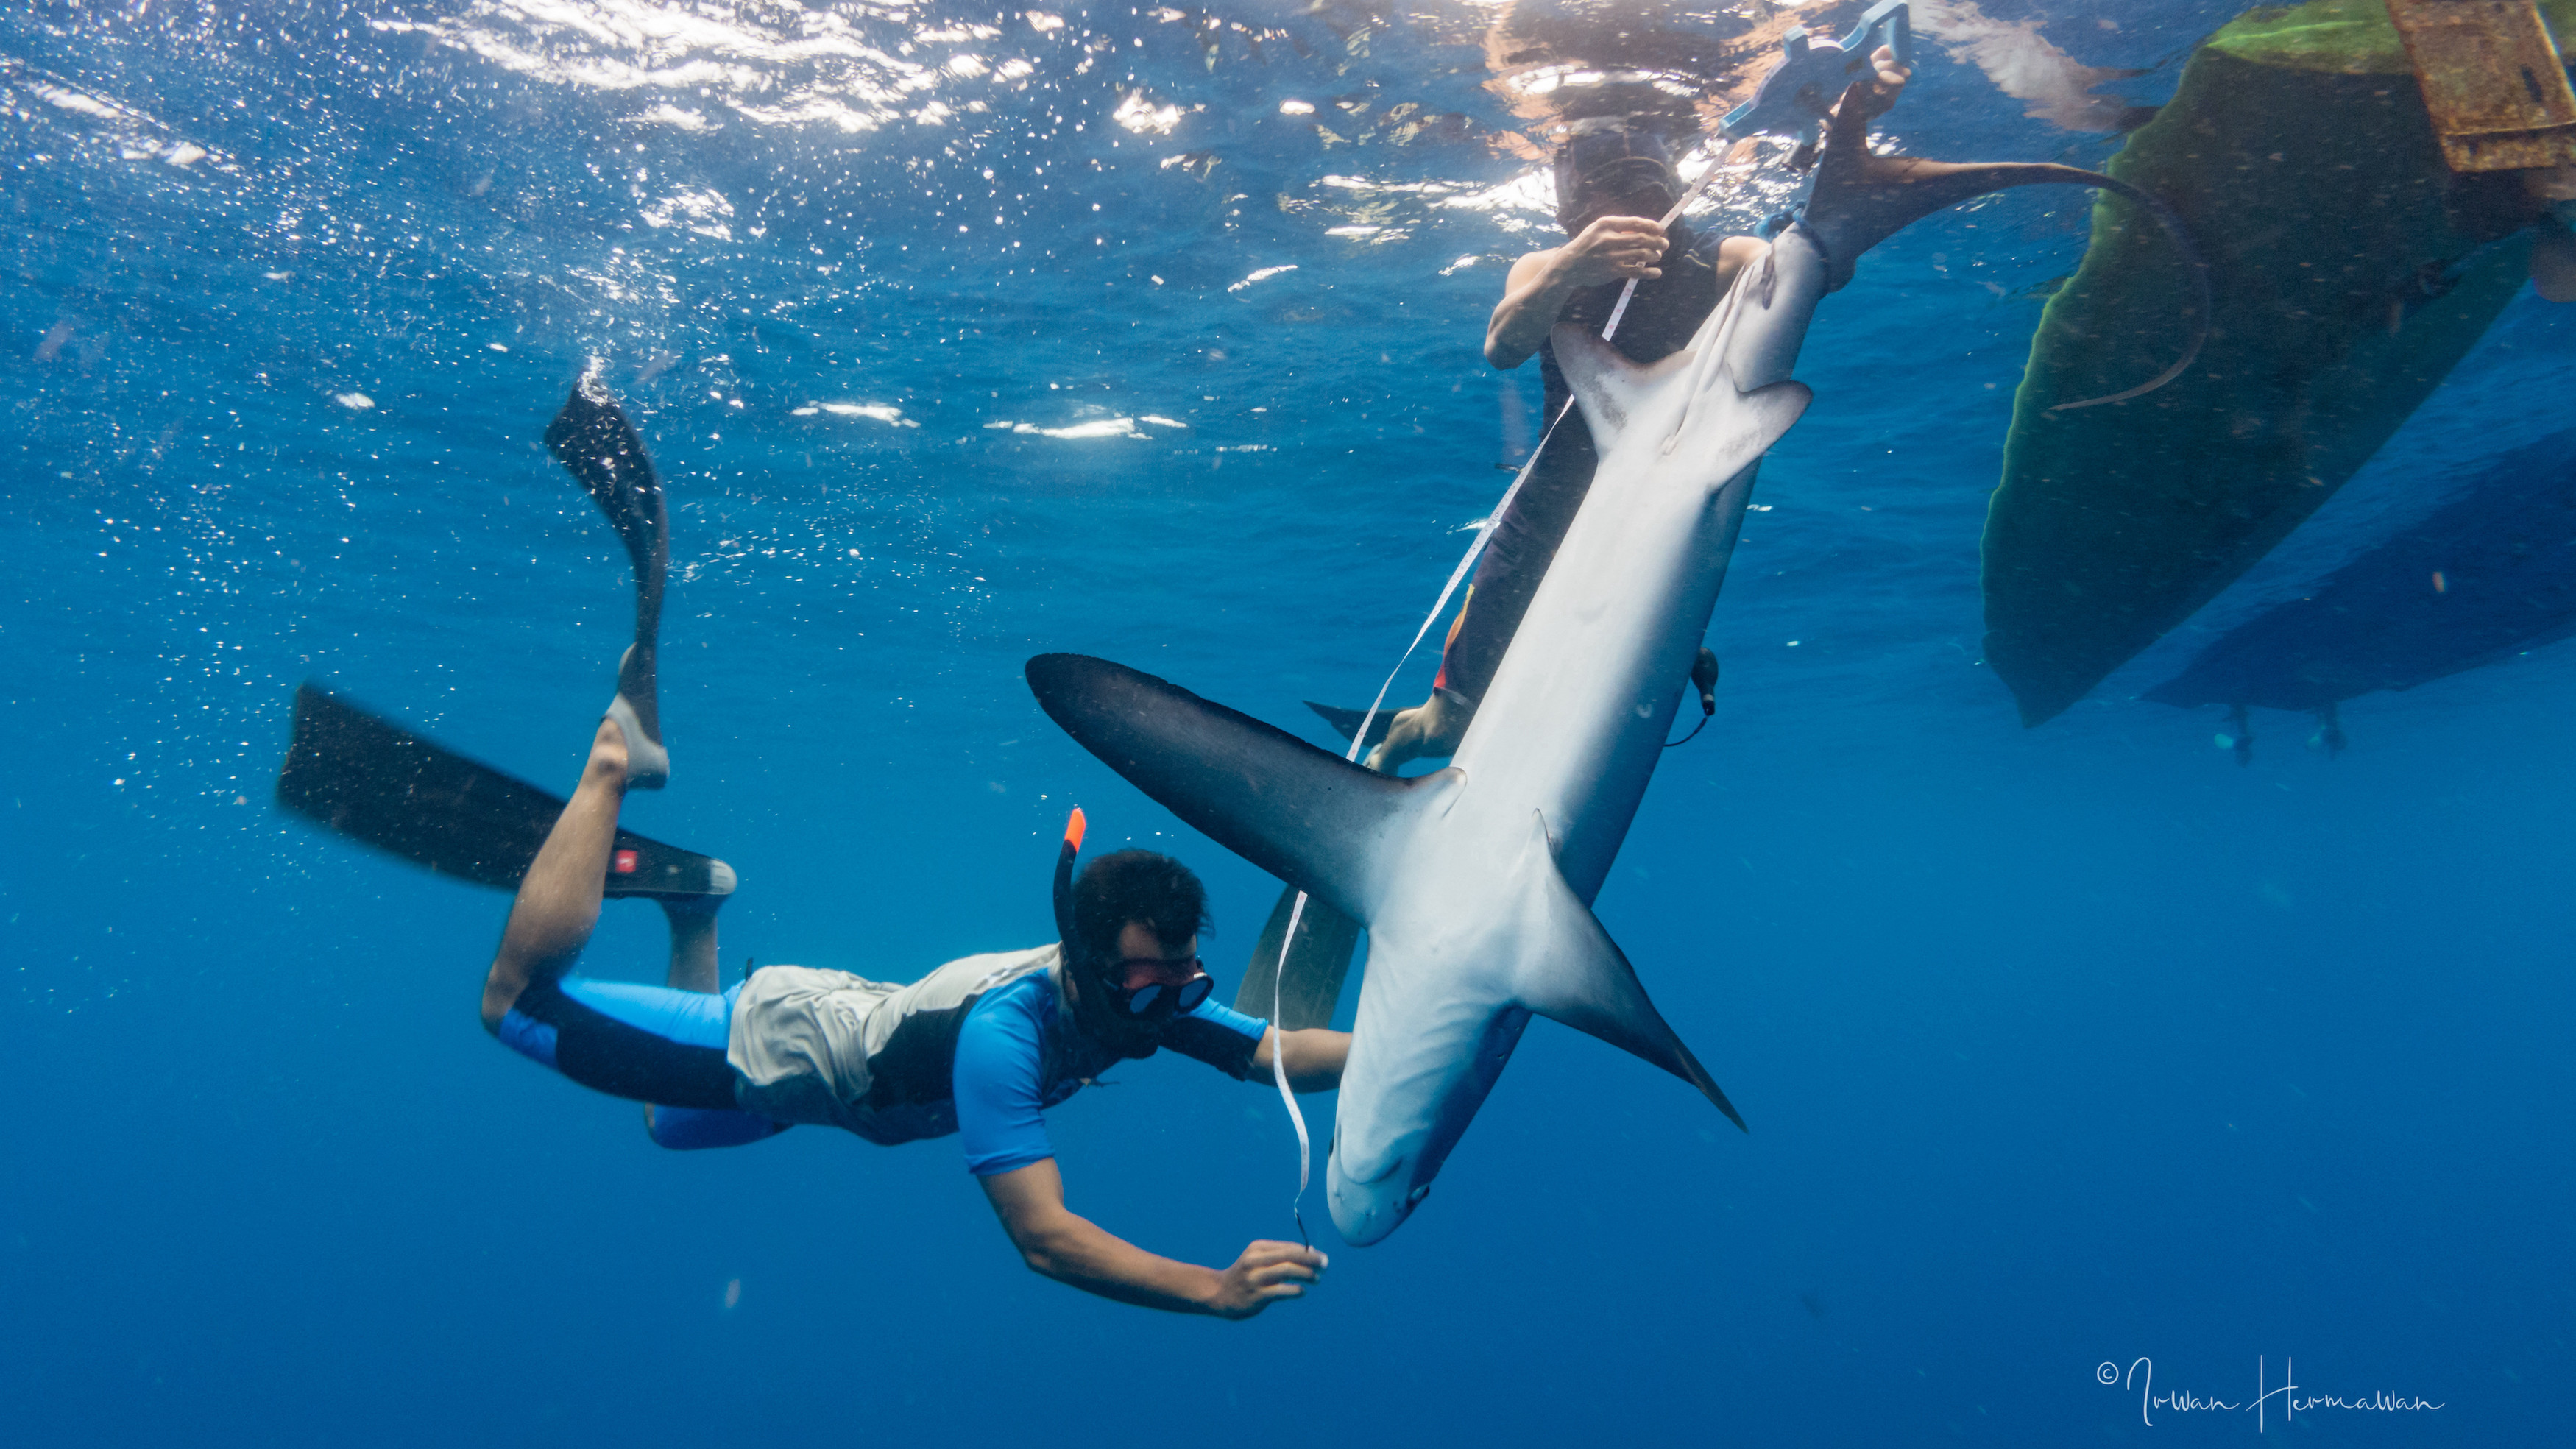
<point x="1610" y="388"/>
<point x="1310" y="818"/>
<point x="1570" y="971"/>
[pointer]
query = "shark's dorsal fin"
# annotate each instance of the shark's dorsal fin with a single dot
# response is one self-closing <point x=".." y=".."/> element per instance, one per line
<point x="1610" y="387"/>
<point x="1310" y="818"/>
<point x="1570" y="971"/>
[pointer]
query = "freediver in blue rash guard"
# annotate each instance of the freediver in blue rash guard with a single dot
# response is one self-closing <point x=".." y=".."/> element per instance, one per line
<point x="980" y="1047"/>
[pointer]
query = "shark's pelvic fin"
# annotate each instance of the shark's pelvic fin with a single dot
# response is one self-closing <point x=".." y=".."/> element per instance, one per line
<point x="1730" y="429"/>
<point x="1570" y="971"/>
<point x="1611" y="387"/>
<point x="1310" y="818"/>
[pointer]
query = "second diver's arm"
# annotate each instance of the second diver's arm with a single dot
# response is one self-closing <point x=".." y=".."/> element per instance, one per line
<point x="1315" y="1057"/>
<point x="1612" y="249"/>
<point x="1072" y="1249"/>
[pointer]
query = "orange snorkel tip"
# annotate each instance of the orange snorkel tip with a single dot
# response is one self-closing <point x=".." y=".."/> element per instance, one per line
<point x="1073" y="828"/>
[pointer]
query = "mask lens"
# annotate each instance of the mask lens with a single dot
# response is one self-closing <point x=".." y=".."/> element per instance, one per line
<point x="1141" y="1001"/>
<point x="1193" y="992"/>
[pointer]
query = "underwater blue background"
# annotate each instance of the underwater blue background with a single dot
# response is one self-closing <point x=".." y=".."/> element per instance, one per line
<point x="2060" y="1047"/>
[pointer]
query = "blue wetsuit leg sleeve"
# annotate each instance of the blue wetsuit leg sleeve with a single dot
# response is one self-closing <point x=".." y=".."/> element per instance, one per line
<point x="649" y="1043"/>
<point x="692" y="1129"/>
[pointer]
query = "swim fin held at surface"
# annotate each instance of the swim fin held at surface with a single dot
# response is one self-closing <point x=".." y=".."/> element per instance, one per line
<point x="379" y="784"/>
<point x="598" y="446"/>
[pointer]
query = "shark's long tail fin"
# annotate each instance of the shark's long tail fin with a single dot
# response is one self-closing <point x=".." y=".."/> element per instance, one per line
<point x="1570" y="971"/>
<point x="1308" y="817"/>
<point x="1862" y="198"/>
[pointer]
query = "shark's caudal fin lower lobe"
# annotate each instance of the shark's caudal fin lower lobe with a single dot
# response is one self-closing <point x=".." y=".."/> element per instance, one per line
<point x="1310" y="818"/>
<point x="1570" y="971"/>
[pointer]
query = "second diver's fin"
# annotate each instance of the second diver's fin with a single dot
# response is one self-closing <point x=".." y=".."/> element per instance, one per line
<point x="591" y="437"/>
<point x="381" y="785"/>
<point x="1315" y="820"/>
<point x="1346" y="722"/>
<point x="1306" y="993"/>
<point x="1570" y="971"/>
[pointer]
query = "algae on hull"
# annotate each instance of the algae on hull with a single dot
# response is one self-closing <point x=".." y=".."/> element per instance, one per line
<point x="2350" y="271"/>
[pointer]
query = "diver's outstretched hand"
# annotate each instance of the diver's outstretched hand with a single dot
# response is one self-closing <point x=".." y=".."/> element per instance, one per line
<point x="1432" y="727"/>
<point x="1267" y="1272"/>
<point x="1887" y="81"/>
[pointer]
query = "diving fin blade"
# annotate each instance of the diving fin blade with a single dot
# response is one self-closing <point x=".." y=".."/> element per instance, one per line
<point x="592" y="438"/>
<point x="1307" y="992"/>
<point x="381" y="785"/>
<point x="1571" y="972"/>
<point x="594" y="441"/>
<point x="1314" y="820"/>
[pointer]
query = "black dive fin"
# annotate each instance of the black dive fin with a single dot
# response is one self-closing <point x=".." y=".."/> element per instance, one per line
<point x="1861" y="198"/>
<point x="1310" y="818"/>
<point x="598" y="446"/>
<point x="1346" y="722"/>
<point x="384" y="786"/>
<point x="1311" y="988"/>
<point x="1570" y="971"/>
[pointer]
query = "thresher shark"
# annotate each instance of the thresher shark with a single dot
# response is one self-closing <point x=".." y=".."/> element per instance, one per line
<point x="1475" y="883"/>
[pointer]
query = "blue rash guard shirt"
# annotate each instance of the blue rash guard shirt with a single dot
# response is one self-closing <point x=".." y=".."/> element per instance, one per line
<point x="999" y="1083"/>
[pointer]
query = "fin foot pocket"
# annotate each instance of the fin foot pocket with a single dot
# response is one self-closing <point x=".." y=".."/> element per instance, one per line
<point x="636" y="712"/>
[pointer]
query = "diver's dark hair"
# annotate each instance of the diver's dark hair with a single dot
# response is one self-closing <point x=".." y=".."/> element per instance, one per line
<point x="1136" y="885"/>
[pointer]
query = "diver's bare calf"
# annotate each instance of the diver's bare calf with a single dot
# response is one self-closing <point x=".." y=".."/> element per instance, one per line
<point x="558" y="903"/>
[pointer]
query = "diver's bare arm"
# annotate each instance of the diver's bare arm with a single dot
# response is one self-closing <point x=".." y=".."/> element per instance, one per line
<point x="1070" y="1249"/>
<point x="1612" y="249"/>
<point x="1315" y="1057"/>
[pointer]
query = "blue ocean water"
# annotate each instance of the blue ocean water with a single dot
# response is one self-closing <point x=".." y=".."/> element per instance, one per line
<point x="1149" y="333"/>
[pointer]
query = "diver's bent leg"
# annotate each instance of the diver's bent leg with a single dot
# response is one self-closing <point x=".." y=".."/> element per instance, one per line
<point x="558" y="901"/>
<point x="651" y="1044"/>
<point x="693" y="942"/>
<point x="694" y="970"/>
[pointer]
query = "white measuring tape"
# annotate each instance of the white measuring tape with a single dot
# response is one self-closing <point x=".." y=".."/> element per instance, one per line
<point x="1475" y="549"/>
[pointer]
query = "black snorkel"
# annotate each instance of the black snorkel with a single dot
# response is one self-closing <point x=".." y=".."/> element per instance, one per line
<point x="1093" y="1012"/>
<point x="1069" y="940"/>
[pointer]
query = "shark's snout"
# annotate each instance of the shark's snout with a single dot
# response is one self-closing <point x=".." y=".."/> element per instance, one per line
<point x="1365" y="1212"/>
